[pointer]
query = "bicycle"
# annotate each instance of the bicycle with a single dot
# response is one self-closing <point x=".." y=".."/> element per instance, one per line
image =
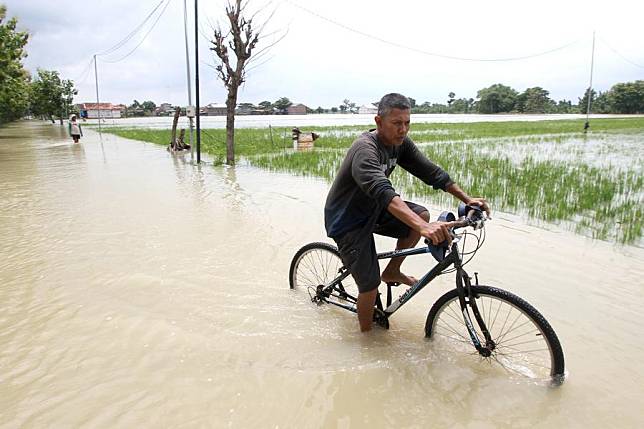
<point x="501" y="327"/>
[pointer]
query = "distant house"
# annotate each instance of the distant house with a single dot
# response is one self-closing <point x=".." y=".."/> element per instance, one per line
<point x="368" y="109"/>
<point x="105" y="110"/>
<point x="244" y="109"/>
<point x="296" y="109"/>
<point x="164" y="109"/>
<point x="213" y="109"/>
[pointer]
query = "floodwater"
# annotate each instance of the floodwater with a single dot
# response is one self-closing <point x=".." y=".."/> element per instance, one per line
<point x="329" y="119"/>
<point x="137" y="290"/>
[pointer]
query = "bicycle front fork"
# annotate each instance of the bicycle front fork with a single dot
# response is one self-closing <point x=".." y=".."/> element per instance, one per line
<point x="467" y="300"/>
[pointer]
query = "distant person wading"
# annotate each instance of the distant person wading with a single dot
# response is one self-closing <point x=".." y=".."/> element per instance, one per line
<point x="74" y="129"/>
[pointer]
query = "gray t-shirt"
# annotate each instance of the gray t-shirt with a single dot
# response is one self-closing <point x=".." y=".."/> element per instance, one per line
<point x="361" y="189"/>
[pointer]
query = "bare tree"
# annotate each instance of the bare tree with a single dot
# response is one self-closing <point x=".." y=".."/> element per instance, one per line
<point x="240" y="40"/>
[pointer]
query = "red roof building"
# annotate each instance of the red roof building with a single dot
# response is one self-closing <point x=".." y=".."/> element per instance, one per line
<point x="105" y="110"/>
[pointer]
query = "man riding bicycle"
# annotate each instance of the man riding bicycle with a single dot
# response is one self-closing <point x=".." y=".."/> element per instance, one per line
<point x="362" y="201"/>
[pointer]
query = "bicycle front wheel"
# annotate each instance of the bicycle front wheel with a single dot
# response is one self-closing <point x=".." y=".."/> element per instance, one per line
<point x="523" y="342"/>
<point x="315" y="266"/>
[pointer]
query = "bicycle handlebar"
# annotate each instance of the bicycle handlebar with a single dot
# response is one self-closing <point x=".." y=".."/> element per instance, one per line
<point x="472" y="216"/>
<point x="475" y="217"/>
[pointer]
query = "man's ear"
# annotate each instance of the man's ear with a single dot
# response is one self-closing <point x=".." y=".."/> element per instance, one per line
<point x="378" y="120"/>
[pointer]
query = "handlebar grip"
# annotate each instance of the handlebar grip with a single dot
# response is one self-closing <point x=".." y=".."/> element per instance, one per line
<point x="439" y="250"/>
<point x="469" y="211"/>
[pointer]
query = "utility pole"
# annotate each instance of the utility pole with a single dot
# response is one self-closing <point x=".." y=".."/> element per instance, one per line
<point x="98" y="104"/>
<point x="590" y="87"/>
<point x="185" y="33"/>
<point x="197" y="81"/>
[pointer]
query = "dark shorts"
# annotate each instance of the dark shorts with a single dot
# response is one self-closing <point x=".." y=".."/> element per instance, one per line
<point x="358" y="249"/>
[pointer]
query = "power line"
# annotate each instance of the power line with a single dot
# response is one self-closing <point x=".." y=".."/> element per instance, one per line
<point x="131" y="34"/>
<point x="144" y="37"/>
<point x="83" y="75"/>
<point x="120" y="44"/>
<point x="420" y="51"/>
<point x="86" y="71"/>
<point x="620" y="55"/>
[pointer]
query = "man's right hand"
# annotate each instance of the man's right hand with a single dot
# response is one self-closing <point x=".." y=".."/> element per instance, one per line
<point x="436" y="232"/>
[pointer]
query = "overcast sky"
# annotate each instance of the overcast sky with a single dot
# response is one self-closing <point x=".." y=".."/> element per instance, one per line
<point x="337" y="49"/>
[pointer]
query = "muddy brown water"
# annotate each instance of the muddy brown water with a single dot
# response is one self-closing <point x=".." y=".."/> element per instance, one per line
<point x="137" y="290"/>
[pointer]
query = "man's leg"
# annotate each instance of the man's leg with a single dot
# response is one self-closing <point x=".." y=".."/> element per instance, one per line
<point x="358" y="252"/>
<point x="392" y="273"/>
<point x="366" y="303"/>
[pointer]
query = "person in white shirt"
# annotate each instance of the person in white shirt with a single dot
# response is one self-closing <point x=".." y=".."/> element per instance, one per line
<point x="74" y="129"/>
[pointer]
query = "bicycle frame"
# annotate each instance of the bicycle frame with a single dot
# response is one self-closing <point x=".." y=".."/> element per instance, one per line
<point x="463" y="283"/>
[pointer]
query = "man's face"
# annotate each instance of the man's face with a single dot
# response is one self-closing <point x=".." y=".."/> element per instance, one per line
<point x="393" y="127"/>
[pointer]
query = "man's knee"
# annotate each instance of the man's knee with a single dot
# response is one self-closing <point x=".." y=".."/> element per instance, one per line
<point x="425" y="215"/>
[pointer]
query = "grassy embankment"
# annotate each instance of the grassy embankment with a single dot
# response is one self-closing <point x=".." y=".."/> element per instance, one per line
<point x="533" y="168"/>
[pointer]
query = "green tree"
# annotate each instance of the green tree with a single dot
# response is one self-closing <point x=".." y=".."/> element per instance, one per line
<point x="450" y="100"/>
<point x="134" y="109"/>
<point x="282" y="104"/>
<point x="583" y="101"/>
<point x="627" y="97"/>
<point x="599" y="103"/>
<point x="565" y="106"/>
<point x="14" y="79"/>
<point x="266" y="105"/>
<point x="51" y="96"/>
<point x="68" y="94"/>
<point x="412" y="101"/>
<point x="603" y="103"/>
<point x="148" y="106"/>
<point x="348" y="106"/>
<point x="423" y="108"/>
<point x="497" y="98"/>
<point x="533" y="100"/>
<point x="461" y="105"/>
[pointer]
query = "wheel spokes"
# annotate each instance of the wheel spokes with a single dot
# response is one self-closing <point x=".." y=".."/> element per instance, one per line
<point x="519" y="346"/>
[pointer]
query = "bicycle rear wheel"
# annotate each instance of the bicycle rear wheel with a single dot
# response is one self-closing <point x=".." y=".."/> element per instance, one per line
<point x="523" y="342"/>
<point x="315" y="266"/>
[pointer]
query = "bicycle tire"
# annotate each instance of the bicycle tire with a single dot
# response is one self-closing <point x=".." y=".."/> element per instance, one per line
<point x="318" y="264"/>
<point x="532" y="349"/>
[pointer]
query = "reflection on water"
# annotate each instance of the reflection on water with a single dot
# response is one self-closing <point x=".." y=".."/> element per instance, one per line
<point x="137" y="290"/>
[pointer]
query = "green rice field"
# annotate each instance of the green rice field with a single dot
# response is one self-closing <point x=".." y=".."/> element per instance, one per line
<point x="545" y="171"/>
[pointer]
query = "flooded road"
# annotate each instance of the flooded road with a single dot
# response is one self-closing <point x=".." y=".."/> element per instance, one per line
<point x="137" y="290"/>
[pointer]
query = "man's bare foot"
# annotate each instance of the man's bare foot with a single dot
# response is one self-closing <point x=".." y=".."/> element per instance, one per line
<point x="398" y="278"/>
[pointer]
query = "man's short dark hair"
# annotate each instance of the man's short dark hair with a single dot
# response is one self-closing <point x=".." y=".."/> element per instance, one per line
<point x="392" y="101"/>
